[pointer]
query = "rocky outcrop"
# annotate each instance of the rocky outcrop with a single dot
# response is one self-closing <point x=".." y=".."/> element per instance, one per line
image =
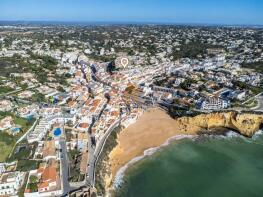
<point x="244" y="123"/>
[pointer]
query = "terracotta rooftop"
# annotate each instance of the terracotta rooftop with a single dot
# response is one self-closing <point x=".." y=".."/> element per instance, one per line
<point x="84" y="125"/>
<point x="71" y="103"/>
<point x="49" y="174"/>
<point x="78" y="73"/>
<point x="96" y="102"/>
<point x="114" y="113"/>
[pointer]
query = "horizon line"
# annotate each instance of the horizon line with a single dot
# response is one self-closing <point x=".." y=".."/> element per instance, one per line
<point x="101" y="22"/>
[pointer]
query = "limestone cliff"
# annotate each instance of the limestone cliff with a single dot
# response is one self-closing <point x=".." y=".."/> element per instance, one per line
<point x="244" y="123"/>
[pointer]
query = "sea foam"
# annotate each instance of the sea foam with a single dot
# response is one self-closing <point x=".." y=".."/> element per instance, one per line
<point x="257" y="134"/>
<point x="121" y="172"/>
<point x="229" y="135"/>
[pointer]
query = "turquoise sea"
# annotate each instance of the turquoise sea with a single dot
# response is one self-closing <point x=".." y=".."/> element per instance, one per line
<point x="202" y="167"/>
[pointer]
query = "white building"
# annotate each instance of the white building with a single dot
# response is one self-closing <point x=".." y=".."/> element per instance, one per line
<point x="5" y="105"/>
<point x="44" y="125"/>
<point x="6" y="123"/>
<point x="178" y="81"/>
<point x="240" y="95"/>
<point x="11" y="182"/>
<point x="214" y="104"/>
<point x="2" y="168"/>
<point x="39" y="132"/>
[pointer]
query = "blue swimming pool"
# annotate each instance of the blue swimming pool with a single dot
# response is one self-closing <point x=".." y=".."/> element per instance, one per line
<point x="57" y="132"/>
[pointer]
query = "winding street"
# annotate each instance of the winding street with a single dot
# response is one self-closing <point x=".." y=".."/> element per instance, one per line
<point x="260" y="103"/>
<point x="95" y="150"/>
<point x="90" y="176"/>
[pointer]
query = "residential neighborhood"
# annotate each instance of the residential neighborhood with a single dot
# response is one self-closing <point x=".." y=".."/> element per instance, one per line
<point x="64" y="90"/>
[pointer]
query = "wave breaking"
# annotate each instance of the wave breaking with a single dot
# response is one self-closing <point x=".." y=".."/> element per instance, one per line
<point x="118" y="180"/>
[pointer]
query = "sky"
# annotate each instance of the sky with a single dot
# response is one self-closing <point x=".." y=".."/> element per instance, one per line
<point x="249" y="12"/>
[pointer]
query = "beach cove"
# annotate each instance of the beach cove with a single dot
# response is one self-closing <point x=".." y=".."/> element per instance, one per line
<point x="155" y="127"/>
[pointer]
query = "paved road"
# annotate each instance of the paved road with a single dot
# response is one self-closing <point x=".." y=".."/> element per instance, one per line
<point x="65" y="167"/>
<point x="91" y="164"/>
<point x="18" y="90"/>
<point x="28" y="131"/>
<point x="251" y="98"/>
<point x="260" y="103"/>
<point x="101" y="143"/>
<point x="94" y="151"/>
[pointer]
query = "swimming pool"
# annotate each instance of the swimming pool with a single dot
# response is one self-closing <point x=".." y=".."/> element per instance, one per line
<point x="57" y="132"/>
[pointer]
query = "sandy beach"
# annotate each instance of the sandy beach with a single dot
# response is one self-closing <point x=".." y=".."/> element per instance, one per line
<point x="152" y="129"/>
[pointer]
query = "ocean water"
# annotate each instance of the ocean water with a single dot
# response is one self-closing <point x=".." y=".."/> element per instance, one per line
<point x="205" y="167"/>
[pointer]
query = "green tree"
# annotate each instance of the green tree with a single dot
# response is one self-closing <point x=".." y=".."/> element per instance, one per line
<point x="24" y="86"/>
<point x="32" y="187"/>
<point x="5" y="89"/>
<point x="39" y="97"/>
<point x="33" y="179"/>
<point x="8" y="41"/>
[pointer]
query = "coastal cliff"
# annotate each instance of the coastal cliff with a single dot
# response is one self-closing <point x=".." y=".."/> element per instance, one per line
<point x="155" y="127"/>
<point x="245" y="123"/>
